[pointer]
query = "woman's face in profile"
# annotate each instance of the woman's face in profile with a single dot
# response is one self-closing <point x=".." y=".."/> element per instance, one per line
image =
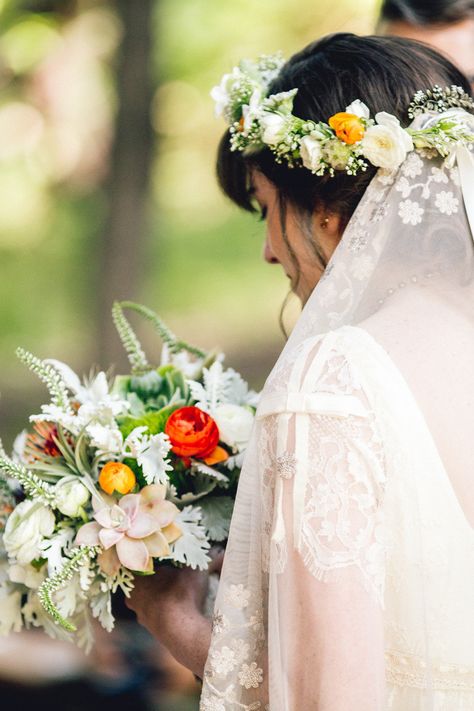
<point x="290" y="245"/>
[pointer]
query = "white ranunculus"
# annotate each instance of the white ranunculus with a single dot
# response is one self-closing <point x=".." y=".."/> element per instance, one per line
<point x="310" y="151"/>
<point x="234" y="423"/>
<point x="359" y="109"/>
<point x="386" y="144"/>
<point x="71" y="496"/>
<point x="273" y="126"/>
<point x="26" y="527"/>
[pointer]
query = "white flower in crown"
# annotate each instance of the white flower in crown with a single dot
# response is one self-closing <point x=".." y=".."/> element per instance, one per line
<point x="311" y="152"/>
<point x="273" y="128"/>
<point x="251" y="111"/>
<point x="223" y="93"/>
<point x="220" y="94"/>
<point x="349" y="140"/>
<point x="386" y="144"/>
<point x="358" y="108"/>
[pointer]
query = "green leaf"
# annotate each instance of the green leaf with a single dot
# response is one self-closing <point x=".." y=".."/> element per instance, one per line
<point x="154" y="421"/>
<point x="163" y="369"/>
<point x="216" y="515"/>
<point x="38" y="563"/>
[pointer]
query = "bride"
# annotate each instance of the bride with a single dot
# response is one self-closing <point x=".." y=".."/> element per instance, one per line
<point x="348" y="579"/>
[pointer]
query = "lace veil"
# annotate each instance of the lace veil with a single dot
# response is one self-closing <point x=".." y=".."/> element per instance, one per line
<point x="353" y="520"/>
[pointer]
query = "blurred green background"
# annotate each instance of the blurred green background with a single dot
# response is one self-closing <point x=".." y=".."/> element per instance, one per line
<point x="107" y="188"/>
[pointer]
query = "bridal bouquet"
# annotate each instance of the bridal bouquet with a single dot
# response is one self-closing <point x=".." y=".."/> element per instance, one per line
<point x="116" y="478"/>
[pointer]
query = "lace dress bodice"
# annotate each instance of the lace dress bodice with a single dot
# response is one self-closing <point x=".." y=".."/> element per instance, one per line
<point x="348" y="581"/>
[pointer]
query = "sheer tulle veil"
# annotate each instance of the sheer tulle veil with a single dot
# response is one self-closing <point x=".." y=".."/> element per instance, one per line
<point x="404" y="268"/>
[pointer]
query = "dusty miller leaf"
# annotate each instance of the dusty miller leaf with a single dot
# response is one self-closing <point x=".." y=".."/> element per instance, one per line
<point x="216" y="516"/>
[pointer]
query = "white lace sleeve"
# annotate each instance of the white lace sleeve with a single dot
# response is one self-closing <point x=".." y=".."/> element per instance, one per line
<point x="327" y="547"/>
<point x="299" y="622"/>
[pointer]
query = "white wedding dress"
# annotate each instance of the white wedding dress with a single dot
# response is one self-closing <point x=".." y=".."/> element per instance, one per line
<point x="348" y="580"/>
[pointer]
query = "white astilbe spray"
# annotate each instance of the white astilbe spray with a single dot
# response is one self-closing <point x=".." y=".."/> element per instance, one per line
<point x="50" y="375"/>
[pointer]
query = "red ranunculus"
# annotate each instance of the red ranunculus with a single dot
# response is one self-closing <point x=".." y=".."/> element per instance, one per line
<point x="192" y="432"/>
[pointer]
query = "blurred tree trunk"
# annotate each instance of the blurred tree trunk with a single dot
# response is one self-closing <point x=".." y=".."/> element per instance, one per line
<point x="125" y="230"/>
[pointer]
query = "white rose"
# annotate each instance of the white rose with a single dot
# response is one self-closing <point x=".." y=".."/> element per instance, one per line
<point x="234" y="423"/>
<point x="359" y="109"/>
<point x="386" y="144"/>
<point x="71" y="496"/>
<point x="273" y="126"/>
<point x="26" y="527"/>
<point x="310" y="151"/>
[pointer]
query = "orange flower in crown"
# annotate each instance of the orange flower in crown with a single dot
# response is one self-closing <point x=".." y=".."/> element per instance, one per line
<point x="348" y="127"/>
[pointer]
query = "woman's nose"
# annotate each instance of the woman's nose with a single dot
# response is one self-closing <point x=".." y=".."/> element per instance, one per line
<point x="268" y="255"/>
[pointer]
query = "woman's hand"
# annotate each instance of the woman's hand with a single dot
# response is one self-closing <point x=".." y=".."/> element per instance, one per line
<point x="170" y="605"/>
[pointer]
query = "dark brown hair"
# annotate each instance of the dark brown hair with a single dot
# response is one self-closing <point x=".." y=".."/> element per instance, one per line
<point x="427" y="12"/>
<point x="384" y="72"/>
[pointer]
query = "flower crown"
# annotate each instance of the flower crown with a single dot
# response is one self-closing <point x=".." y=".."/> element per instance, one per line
<point x="350" y="140"/>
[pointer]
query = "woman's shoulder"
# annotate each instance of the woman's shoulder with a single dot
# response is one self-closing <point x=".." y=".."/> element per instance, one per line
<point x="324" y="372"/>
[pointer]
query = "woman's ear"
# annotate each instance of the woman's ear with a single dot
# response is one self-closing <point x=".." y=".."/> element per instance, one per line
<point x="329" y="228"/>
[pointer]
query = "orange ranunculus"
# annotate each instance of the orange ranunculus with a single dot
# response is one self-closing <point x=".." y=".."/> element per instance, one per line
<point x="192" y="433"/>
<point x="348" y="127"/>
<point x="115" y="476"/>
<point x="217" y="456"/>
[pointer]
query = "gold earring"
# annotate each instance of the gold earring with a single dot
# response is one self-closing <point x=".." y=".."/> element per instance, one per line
<point x="324" y="223"/>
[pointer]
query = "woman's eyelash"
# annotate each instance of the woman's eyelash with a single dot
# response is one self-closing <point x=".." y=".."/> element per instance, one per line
<point x="263" y="214"/>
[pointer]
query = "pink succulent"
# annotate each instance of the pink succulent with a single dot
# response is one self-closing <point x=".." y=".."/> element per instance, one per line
<point x="132" y="531"/>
